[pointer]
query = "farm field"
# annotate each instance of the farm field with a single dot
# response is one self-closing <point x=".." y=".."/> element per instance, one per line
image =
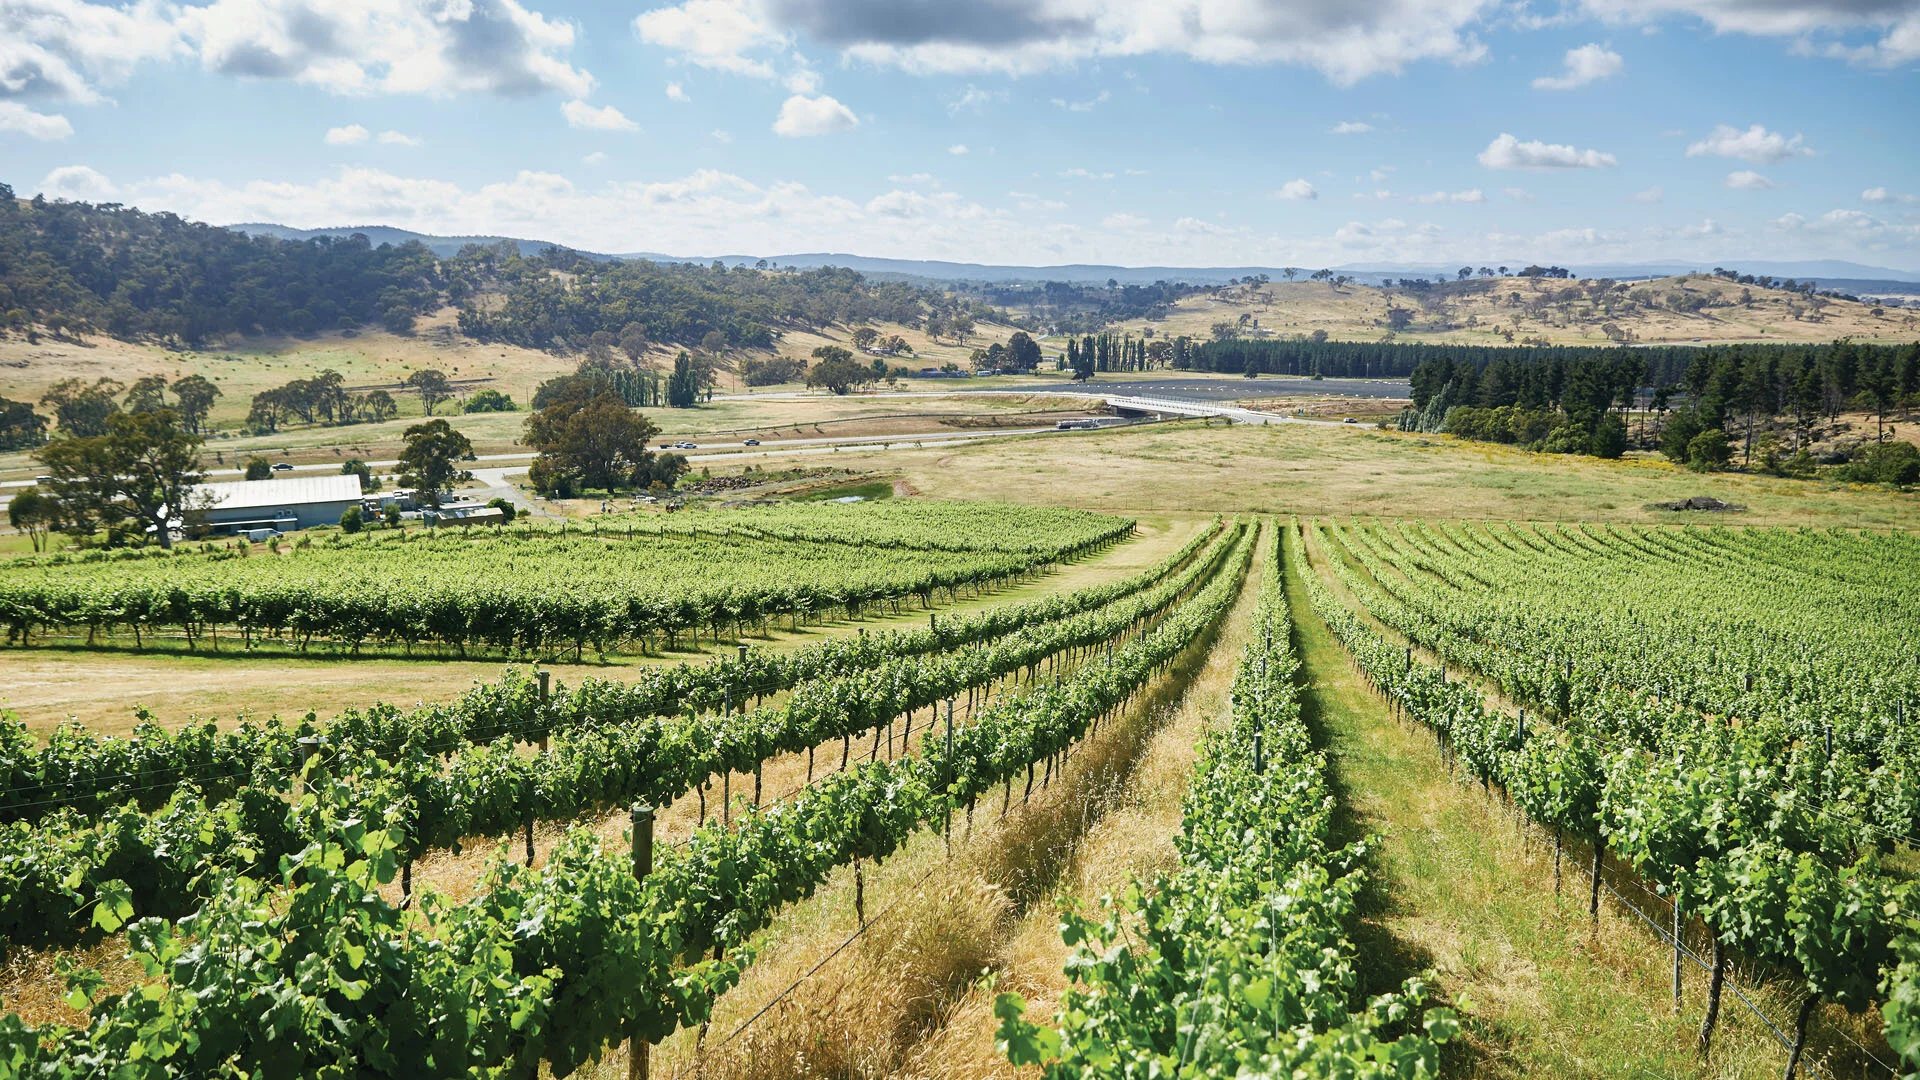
<point x="1477" y="310"/>
<point x="1356" y="470"/>
<point x="1130" y="745"/>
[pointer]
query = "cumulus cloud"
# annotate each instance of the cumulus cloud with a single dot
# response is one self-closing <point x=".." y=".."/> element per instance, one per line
<point x="1345" y="42"/>
<point x="17" y="119"/>
<point x="1588" y="63"/>
<point x="1124" y="221"/>
<point x="676" y="92"/>
<point x="1084" y="174"/>
<point x="1896" y="21"/>
<point x="1882" y="195"/>
<point x="801" y="115"/>
<point x="1650" y="195"/>
<point x="437" y="47"/>
<point x="579" y="114"/>
<point x="1756" y="144"/>
<point x="594" y="158"/>
<point x="1471" y="195"/>
<point x="1748" y="180"/>
<point x="67" y="50"/>
<point x="1517" y="194"/>
<point x="1508" y="152"/>
<point x="714" y="34"/>
<point x="78" y="183"/>
<point x="346" y="135"/>
<point x="398" y="138"/>
<point x="1296" y="189"/>
<point x="958" y="149"/>
<point x="1350" y="127"/>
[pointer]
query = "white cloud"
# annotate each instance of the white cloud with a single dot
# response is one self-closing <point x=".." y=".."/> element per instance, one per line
<point x="721" y="136"/>
<point x="397" y="138"/>
<point x="1507" y="152"/>
<point x="1203" y="228"/>
<point x="1471" y="195"/>
<point x="1346" y="43"/>
<point x="579" y="114"/>
<point x="676" y="92"/>
<point x="594" y="158"/>
<point x="1082" y="106"/>
<point x="66" y="50"/>
<point x="1588" y="63"/>
<point x="346" y="136"/>
<point x="1084" y="174"/>
<point x="712" y="33"/>
<point x="913" y="178"/>
<point x="20" y="120"/>
<point x="801" y="115"/>
<point x="1650" y="195"/>
<point x="437" y="47"/>
<point x="1517" y="194"/>
<point x="1296" y="189"/>
<point x="1882" y="195"/>
<point x="1381" y="194"/>
<point x="1748" y="180"/>
<point x="1124" y="221"/>
<point x="1756" y="144"/>
<point x="803" y="80"/>
<point x="78" y="183"/>
<point x="1350" y="127"/>
<point x="1897" y="21"/>
<point x="974" y="100"/>
<point x="958" y="149"/>
<point x="1027" y="200"/>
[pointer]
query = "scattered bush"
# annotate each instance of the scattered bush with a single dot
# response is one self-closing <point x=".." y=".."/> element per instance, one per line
<point x="505" y="507"/>
<point x="488" y="400"/>
<point x="352" y="520"/>
<point x="259" y="468"/>
<point x="1708" y="451"/>
<point x="1896" y="463"/>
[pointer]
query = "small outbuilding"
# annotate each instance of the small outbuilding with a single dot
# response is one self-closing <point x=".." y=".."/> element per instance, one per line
<point x="282" y="505"/>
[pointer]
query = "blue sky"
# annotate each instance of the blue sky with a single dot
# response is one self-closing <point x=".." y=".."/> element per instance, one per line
<point x="1179" y="132"/>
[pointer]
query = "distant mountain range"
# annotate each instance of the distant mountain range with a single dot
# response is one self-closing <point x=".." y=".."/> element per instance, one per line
<point x="1830" y="273"/>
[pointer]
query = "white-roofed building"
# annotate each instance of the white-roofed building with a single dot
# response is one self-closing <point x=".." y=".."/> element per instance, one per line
<point x="285" y="505"/>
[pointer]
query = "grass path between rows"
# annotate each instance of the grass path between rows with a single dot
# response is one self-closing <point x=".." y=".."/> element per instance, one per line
<point x="1460" y="893"/>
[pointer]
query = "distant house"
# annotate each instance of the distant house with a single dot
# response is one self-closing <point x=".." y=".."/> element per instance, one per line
<point x="285" y="505"/>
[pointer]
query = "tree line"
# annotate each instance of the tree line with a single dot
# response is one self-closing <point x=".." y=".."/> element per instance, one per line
<point x="1706" y="403"/>
<point x="68" y="268"/>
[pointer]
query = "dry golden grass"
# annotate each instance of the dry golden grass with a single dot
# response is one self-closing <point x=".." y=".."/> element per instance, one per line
<point x="1476" y="311"/>
<point x="1347" y="471"/>
<point x="905" y="999"/>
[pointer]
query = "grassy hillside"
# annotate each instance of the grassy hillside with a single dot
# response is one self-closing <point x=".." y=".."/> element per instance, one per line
<point x="1481" y="311"/>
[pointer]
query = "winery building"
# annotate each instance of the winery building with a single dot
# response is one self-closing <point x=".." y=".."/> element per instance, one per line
<point x="284" y="505"/>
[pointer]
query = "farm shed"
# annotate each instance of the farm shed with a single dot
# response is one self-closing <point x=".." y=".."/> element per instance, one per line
<point x="277" y="504"/>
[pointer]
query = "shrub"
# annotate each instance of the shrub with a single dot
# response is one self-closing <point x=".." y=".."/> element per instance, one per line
<point x="259" y="468"/>
<point x="1708" y="451"/>
<point x="505" y="507"/>
<point x="1895" y="463"/>
<point x="352" y="520"/>
<point x="486" y="401"/>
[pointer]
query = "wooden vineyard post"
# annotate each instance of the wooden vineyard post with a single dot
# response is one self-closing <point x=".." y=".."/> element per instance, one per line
<point x="639" y="1051"/>
<point x="726" y="775"/>
<point x="1676" y="955"/>
<point x="546" y="678"/>
<point x="946" y="828"/>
